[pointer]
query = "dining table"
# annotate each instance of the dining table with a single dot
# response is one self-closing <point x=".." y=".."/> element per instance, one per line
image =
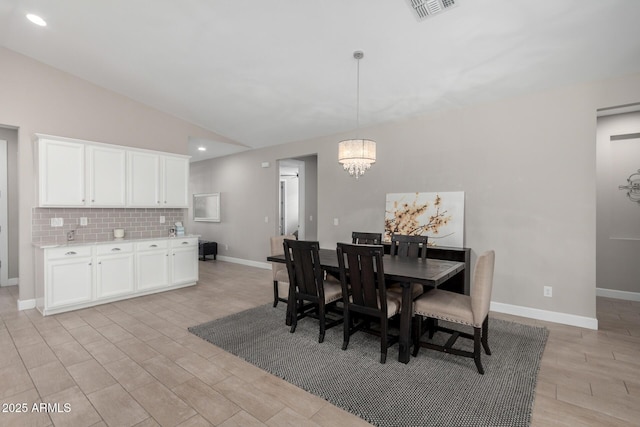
<point x="406" y="271"/>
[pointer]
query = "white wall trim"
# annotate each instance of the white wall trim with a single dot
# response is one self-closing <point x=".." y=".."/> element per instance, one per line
<point x="26" y="304"/>
<point x="11" y="282"/>
<point x="612" y="293"/>
<point x="259" y="264"/>
<point x="549" y="316"/>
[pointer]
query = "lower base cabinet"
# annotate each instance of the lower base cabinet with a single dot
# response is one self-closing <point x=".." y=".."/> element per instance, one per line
<point x="81" y="276"/>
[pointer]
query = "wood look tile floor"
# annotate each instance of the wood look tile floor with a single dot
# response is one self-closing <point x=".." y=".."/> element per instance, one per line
<point x="133" y="363"/>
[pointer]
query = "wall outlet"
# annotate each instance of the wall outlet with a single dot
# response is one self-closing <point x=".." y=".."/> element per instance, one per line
<point x="548" y="291"/>
<point x="266" y="219"/>
<point x="226" y="247"/>
<point x="57" y="222"/>
<point x="83" y="221"/>
<point x="336" y="221"/>
<point x="161" y="220"/>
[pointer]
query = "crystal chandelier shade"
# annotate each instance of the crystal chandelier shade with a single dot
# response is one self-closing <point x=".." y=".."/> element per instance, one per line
<point x="357" y="155"/>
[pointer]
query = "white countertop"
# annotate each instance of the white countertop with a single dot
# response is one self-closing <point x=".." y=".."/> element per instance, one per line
<point x="46" y="245"/>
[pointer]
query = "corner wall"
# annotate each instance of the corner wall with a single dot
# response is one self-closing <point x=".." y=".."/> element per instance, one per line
<point x="42" y="99"/>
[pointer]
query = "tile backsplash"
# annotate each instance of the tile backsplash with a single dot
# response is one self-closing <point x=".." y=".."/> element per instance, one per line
<point x="137" y="223"/>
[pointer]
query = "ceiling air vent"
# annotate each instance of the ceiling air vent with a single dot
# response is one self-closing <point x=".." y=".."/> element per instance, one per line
<point x="425" y="8"/>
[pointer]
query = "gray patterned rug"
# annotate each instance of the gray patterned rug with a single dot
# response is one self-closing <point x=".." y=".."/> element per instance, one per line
<point x="433" y="389"/>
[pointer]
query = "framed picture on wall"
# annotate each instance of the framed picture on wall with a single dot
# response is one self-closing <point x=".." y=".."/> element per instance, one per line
<point x="206" y="207"/>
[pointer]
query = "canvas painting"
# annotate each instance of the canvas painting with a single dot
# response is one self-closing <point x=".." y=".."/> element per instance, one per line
<point x="438" y="215"/>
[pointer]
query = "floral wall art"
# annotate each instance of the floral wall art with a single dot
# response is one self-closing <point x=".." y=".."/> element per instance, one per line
<point x="438" y="215"/>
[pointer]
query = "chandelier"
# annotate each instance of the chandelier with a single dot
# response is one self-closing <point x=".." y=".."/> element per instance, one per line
<point x="357" y="155"/>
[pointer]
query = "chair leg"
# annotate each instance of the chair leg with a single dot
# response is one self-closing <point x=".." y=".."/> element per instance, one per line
<point x="346" y="328"/>
<point x="294" y="316"/>
<point x="417" y="333"/>
<point x="485" y="331"/>
<point x="476" y="349"/>
<point x="275" y="293"/>
<point x="383" y="341"/>
<point x="322" y="322"/>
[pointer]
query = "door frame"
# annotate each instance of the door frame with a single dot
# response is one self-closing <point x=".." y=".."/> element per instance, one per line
<point x="4" y="216"/>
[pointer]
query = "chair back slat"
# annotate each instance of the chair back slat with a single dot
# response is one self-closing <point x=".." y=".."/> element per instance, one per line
<point x="362" y="238"/>
<point x="303" y="262"/>
<point x="362" y="275"/>
<point x="409" y="246"/>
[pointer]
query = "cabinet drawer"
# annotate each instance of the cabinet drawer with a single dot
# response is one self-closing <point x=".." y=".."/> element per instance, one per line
<point x="152" y="245"/>
<point x="184" y="242"/>
<point x="68" y="252"/>
<point x="113" y="248"/>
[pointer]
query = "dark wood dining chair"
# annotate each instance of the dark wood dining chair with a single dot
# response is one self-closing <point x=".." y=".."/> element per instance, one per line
<point x="280" y="273"/>
<point x="307" y="284"/>
<point x="362" y="277"/>
<point x="409" y="247"/>
<point x="362" y="238"/>
<point x="470" y="310"/>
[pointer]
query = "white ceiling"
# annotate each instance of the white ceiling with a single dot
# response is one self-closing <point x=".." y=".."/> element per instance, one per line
<point x="269" y="72"/>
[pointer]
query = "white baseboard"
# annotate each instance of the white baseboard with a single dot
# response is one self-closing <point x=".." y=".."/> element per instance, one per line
<point x="549" y="316"/>
<point x="11" y="282"/>
<point x="258" y="264"/>
<point x="612" y="293"/>
<point x="26" y="304"/>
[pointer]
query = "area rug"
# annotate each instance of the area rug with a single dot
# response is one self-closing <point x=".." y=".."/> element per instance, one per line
<point x="433" y="389"/>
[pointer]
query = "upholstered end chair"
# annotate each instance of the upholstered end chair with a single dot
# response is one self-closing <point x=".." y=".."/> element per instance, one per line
<point x="469" y="310"/>
<point x="280" y="273"/>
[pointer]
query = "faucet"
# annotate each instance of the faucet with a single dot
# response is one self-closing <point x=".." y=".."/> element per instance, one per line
<point x="71" y="235"/>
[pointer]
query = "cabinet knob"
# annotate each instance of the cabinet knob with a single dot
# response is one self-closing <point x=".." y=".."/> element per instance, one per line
<point x="165" y="201"/>
<point x="185" y="243"/>
<point x="92" y="200"/>
<point x="115" y="249"/>
<point x="90" y="264"/>
<point x="153" y="246"/>
<point x="71" y="253"/>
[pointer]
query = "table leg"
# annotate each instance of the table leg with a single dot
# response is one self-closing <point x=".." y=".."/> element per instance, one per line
<point x="405" y="324"/>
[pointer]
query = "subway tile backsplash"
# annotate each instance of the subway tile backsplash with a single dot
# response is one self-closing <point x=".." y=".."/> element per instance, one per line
<point x="137" y="223"/>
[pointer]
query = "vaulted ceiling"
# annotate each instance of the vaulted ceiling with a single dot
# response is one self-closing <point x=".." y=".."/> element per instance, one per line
<point x="270" y="72"/>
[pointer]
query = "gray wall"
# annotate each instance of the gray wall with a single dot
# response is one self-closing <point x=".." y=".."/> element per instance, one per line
<point x="40" y="99"/>
<point x="11" y="136"/>
<point x="618" y="219"/>
<point x="527" y="166"/>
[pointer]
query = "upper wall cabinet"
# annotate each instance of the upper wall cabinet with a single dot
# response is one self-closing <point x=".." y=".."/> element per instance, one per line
<point x="158" y="180"/>
<point x="75" y="173"/>
<point x="106" y="176"/>
<point x="61" y="173"/>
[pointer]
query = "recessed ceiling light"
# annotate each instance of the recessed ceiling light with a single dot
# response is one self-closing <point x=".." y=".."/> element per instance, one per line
<point x="36" y="20"/>
<point x="202" y="148"/>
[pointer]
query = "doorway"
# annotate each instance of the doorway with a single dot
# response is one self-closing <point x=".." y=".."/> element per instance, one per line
<point x="617" y="211"/>
<point x="297" y="197"/>
<point x="4" y="216"/>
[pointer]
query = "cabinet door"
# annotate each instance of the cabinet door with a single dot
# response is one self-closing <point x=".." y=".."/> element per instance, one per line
<point x="152" y="269"/>
<point x="184" y="265"/>
<point x="144" y="179"/>
<point x="106" y="176"/>
<point x="175" y="182"/>
<point x="61" y="173"/>
<point x="68" y="282"/>
<point x="115" y="275"/>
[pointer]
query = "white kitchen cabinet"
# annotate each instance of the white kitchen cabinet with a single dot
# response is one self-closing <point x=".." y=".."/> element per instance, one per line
<point x="68" y="277"/>
<point x="184" y="260"/>
<point x="76" y="173"/>
<point x="158" y="180"/>
<point x="175" y="184"/>
<point x="78" y="276"/>
<point x="106" y="176"/>
<point x="61" y="173"/>
<point x="143" y="180"/>
<point x="152" y="261"/>
<point x="115" y="270"/>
